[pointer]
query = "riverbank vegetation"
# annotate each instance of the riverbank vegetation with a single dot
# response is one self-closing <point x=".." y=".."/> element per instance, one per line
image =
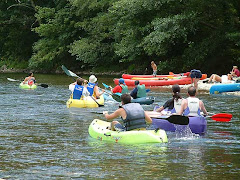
<point x="114" y="35"/>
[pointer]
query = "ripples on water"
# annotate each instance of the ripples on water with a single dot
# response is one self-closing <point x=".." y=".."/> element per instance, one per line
<point x="41" y="139"/>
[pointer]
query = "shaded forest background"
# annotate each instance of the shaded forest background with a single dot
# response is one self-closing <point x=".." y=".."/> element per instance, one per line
<point x="120" y="35"/>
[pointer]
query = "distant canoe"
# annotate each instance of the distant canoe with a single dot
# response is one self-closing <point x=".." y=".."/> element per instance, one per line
<point x="220" y="88"/>
<point x="165" y="82"/>
<point x="130" y="76"/>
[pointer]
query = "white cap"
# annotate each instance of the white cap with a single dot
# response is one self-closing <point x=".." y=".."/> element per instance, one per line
<point x="92" y="79"/>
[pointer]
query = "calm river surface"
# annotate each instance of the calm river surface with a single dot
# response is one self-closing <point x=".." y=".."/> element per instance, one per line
<point x="41" y="139"/>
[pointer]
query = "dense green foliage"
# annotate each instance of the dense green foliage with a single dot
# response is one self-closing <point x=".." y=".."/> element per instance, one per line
<point x="108" y="35"/>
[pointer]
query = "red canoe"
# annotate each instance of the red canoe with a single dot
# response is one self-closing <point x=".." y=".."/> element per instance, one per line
<point x="130" y="76"/>
<point x="167" y="82"/>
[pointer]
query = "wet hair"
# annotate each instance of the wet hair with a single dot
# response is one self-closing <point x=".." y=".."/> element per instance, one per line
<point x="192" y="91"/>
<point x="176" y="92"/>
<point x="80" y="81"/>
<point x="126" y="98"/>
<point x="136" y="82"/>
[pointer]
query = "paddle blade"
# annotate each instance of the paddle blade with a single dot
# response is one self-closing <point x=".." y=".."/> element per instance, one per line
<point x="116" y="97"/>
<point x="43" y="85"/>
<point x="69" y="73"/>
<point x="10" y="79"/>
<point x="178" y="119"/>
<point x="105" y="85"/>
<point x="223" y="117"/>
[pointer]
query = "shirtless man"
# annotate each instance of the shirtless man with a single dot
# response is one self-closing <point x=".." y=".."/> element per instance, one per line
<point x="154" y="67"/>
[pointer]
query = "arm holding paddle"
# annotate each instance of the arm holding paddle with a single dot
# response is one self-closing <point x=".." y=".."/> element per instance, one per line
<point x="184" y="106"/>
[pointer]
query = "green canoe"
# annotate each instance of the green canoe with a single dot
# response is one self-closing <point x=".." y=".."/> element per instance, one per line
<point x="98" y="130"/>
<point x="26" y="86"/>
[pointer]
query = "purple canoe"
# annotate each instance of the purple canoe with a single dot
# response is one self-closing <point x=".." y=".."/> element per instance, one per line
<point x="198" y="125"/>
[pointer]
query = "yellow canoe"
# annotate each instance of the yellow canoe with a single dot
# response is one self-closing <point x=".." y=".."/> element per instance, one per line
<point x="88" y="103"/>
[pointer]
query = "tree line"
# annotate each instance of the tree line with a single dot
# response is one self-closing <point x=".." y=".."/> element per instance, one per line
<point x="105" y="35"/>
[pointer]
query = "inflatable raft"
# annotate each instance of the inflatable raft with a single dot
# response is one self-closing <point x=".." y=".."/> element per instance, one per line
<point x="98" y="129"/>
<point x="26" y="86"/>
<point x="198" y="125"/>
<point x="89" y="103"/>
<point x="220" y="88"/>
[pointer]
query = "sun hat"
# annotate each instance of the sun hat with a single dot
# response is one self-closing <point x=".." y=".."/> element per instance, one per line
<point x="92" y="79"/>
<point x="121" y="81"/>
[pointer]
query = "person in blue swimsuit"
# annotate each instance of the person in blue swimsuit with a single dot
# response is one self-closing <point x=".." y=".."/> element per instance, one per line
<point x="92" y="87"/>
<point x="79" y="91"/>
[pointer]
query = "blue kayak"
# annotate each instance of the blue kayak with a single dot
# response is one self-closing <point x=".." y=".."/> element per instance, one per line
<point x="220" y="88"/>
<point x="144" y="100"/>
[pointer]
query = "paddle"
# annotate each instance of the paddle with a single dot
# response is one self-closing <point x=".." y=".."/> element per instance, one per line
<point x="71" y="74"/>
<point x="116" y="96"/>
<point x="222" y="117"/>
<point x="175" y="119"/>
<point x="14" y="80"/>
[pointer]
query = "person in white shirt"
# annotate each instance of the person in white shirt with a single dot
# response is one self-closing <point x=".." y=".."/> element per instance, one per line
<point x="192" y="106"/>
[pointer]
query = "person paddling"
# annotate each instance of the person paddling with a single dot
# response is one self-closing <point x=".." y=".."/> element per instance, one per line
<point x="192" y="106"/>
<point x="132" y="114"/>
<point x="139" y="91"/>
<point x="93" y="88"/>
<point x="79" y="91"/>
<point x="30" y="80"/>
<point x="121" y="87"/>
<point x="174" y="104"/>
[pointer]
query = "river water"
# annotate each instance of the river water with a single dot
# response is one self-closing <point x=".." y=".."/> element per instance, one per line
<point x="41" y="139"/>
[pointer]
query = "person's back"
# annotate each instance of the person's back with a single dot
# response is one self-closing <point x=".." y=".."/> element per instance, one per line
<point x="135" y="116"/>
<point x="174" y="104"/>
<point x="177" y="105"/>
<point x="121" y="87"/>
<point x="91" y="85"/>
<point x="90" y="88"/>
<point x="93" y="88"/>
<point x="124" y="89"/>
<point x="78" y="89"/>
<point x="141" y="91"/>
<point x="192" y="106"/>
<point x="135" y="90"/>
